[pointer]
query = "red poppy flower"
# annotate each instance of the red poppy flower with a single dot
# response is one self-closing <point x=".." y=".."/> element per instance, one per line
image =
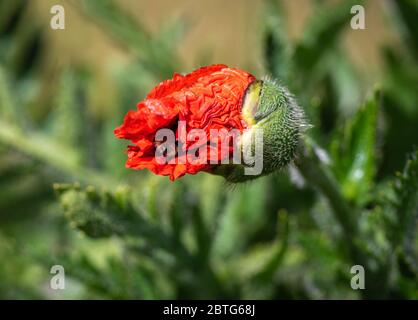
<point x="208" y="98"/>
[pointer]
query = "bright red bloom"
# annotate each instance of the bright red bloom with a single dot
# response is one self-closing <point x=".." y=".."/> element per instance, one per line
<point x="208" y="98"/>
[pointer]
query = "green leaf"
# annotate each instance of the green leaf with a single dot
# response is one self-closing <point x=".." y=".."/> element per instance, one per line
<point x="354" y="155"/>
<point x="66" y="121"/>
<point x="103" y="214"/>
<point x="116" y="279"/>
<point x="96" y="214"/>
<point x="407" y="192"/>
<point x="406" y="206"/>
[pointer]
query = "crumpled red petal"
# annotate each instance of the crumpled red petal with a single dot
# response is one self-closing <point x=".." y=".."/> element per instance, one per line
<point x="208" y="98"/>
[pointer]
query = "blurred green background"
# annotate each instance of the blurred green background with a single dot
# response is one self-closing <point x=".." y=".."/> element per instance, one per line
<point x="67" y="199"/>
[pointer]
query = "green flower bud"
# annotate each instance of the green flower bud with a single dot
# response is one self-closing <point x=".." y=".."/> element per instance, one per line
<point x="269" y="109"/>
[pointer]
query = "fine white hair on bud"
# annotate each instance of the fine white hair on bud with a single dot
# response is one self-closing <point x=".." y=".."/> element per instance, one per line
<point x="270" y="108"/>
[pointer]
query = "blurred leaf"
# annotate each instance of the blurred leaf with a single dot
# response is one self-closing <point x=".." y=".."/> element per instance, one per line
<point x="66" y="120"/>
<point x="344" y="76"/>
<point x="15" y="271"/>
<point x="406" y="188"/>
<point x="26" y="49"/>
<point x="276" y="42"/>
<point x="102" y="214"/>
<point x="159" y="60"/>
<point x="10" y="13"/>
<point x="112" y="154"/>
<point x="399" y="104"/>
<point x="400" y="79"/>
<point x="323" y="32"/>
<point x="8" y="110"/>
<point x="241" y="216"/>
<point x="270" y="268"/>
<point x="354" y="155"/>
<point x="408" y="17"/>
<point x="171" y="33"/>
<point x="117" y="279"/>
<point x="20" y="45"/>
